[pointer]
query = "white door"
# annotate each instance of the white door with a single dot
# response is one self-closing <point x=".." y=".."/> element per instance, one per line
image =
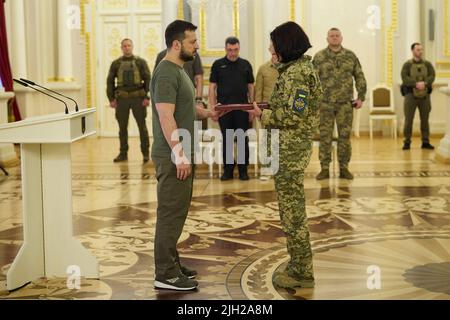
<point x="139" y="20"/>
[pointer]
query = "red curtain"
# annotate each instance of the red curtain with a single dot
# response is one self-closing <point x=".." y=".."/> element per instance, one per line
<point x="5" y="66"/>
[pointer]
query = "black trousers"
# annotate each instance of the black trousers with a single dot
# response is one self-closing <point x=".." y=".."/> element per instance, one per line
<point x="235" y="120"/>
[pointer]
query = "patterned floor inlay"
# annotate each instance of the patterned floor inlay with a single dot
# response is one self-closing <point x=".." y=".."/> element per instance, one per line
<point x="236" y="243"/>
<point x="148" y="175"/>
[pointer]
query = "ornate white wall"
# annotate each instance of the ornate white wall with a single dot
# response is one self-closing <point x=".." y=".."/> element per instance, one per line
<point x="382" y="48"/>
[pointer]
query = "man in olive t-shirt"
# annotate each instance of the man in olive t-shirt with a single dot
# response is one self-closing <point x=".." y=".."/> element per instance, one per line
<point x="174" y="111"/>
<point x="171" y="84"/>
<point x="194" y="69"/>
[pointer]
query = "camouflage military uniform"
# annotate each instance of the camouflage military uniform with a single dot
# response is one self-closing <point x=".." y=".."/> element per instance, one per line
<point x="336" y="72"/>
<point x="295" y="112"/>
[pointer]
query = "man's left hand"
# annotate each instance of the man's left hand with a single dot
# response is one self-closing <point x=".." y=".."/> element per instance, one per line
<point x="358" y="104"/>
<point x="146" y="103"/>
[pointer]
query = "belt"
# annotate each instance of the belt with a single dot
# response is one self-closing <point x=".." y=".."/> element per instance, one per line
<point x="131" y="94"/>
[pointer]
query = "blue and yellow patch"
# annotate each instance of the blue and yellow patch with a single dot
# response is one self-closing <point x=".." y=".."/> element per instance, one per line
<point x="300" y="101"/>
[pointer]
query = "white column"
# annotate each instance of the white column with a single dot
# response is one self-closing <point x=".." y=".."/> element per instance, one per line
<point x="169" y="15"/>
<point x="413" y="24"/>
<point x="269" y="15"/>
<point x="274" y="13"/>
<point x="18" y="42"/>
<point x="65" y="68"/>
<point x="443" y="151"/>
<point x="7" y="152"/>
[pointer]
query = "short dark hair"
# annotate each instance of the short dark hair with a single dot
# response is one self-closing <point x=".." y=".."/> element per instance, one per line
<point x="176" y="31"/>
<point x="414" y="45"/>
<point x="290" y="41"/>
<point x="126" y="39"/>
<point x="334" y="29"/>
<point x="232" y="41"/>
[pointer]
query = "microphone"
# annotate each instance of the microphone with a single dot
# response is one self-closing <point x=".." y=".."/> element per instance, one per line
<point x="28" y="86"/>
<point x="59" y="94"/>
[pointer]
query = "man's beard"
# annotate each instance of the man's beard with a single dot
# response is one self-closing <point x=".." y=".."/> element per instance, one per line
<point x="185" y="56"/>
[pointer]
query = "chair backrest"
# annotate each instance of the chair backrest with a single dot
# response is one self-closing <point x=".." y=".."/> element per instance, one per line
<point x="382" y="99"/>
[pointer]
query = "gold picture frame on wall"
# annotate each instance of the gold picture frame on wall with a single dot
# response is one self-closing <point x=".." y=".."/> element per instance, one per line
<point x="204" y="51"/>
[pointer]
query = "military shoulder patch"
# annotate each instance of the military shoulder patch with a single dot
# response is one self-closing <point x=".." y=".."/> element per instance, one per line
<point x="300" y="101"/>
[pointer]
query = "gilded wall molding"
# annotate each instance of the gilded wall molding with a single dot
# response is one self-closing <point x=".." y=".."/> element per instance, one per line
<point x="180" y="9"/>
<point x="204" y="51"/>
<point x="293" y="11"/>
<point x="87" y="37"/>
<point x="393" y="28"/>
<point x="446" y="28"/>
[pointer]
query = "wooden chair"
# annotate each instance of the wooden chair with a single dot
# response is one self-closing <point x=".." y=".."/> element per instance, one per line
<point x="382" y="107"/>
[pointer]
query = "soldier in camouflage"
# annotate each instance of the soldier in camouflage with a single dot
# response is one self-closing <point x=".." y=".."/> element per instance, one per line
<point x="337" y="67"/>
<point x="294" y="111"/>
<point x="127" y="88"/>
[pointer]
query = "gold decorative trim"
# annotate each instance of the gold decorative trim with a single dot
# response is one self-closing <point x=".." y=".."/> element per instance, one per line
<point x="181" y="9"/>
<point x="303" y="13"/>
<point x="202" y="22"/>
<point x="236" y="18"/>
<point x="65" y="80"/>
<point x="293" y="12"/>
<point x="383" y="40"/>
<point x="443" y="75"/>
<point x="446" y="28"/>
<point x="390" y="42"/>
<point x="86" y="35"/>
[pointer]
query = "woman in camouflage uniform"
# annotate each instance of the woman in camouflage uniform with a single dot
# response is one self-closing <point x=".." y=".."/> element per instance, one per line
<point x="294" y="111"/>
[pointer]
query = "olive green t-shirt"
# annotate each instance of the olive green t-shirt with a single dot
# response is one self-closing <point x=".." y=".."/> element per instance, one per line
<point x="171" y="84"/>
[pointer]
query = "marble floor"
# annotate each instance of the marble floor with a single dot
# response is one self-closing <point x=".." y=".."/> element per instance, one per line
<point x="394" y="218"/>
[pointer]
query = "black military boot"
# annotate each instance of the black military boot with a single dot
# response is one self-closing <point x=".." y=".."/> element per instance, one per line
<point x="345" y="174"/>
<point x="228" y="173"/>
<point x="323" y="175"/>
<point x="121" y="158"/>
<point x="146" y="158"/>
<point x="243" y="174"/>
<point x="427" y="146"/>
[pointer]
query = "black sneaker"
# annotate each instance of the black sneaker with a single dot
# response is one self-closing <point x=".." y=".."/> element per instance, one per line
<point x="121" y="158"/>
<point x="407" y="146"/>
<point x="427" y="146"/>
<point x="191" y="274"/>
<point x="180" y="283"/>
